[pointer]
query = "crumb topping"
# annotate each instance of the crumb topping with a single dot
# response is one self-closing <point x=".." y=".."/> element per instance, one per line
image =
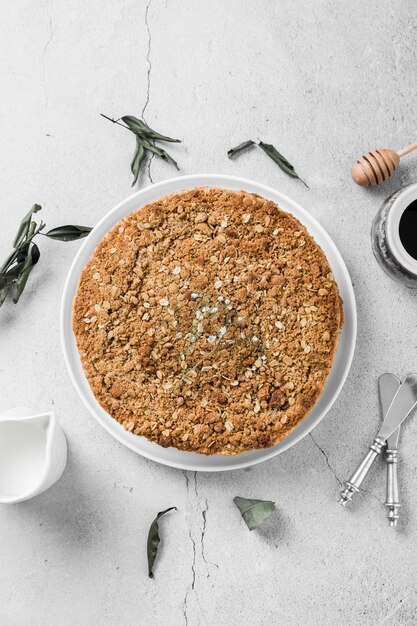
<point x="208" y="321"/>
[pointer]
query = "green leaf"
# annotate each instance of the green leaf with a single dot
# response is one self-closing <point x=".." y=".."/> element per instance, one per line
<point x="31" y="259"/>
<point x="137" y="160"/>
<point x="21" y="254"/>
<point x="3" y="294"/>
<point x="25" y="225"/>
<point x="280" y="160"/>
<point x="154" y="539"/>
<point x="17" y="255"/>
<point x="159" y="152"/>
<point x="12" y="274"/>
<point x="19" y="261"/>
<point x="254" y="512"/>
<point x="3" y="289"/>
<point x="31" y="230"/>
<point x="152" y="148"/>
<point x="8" y="262"/>
<point x="68" y="232"/>
<point x="168" y="158"/>
<point x="240" y="147"/>
<point x="140" y="127"/>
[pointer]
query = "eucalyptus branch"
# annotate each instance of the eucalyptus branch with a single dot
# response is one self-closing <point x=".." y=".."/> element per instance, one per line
<point x="145" y="142"/>
<point x="273" y="154"/>
<point x="114" y="121"/>
<point x="17" y="267"/>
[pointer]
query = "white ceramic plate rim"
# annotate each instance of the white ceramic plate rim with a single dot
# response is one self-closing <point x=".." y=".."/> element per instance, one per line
<point x="171" y="456"/>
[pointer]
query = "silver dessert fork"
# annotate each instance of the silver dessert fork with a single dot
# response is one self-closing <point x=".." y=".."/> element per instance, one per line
<point x="404" y="402"/>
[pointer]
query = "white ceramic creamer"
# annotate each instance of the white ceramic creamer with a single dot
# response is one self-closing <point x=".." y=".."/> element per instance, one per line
<point x="33" y="454"/>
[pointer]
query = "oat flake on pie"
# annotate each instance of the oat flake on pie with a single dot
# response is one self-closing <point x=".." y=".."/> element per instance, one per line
<point x="208" y="320"/>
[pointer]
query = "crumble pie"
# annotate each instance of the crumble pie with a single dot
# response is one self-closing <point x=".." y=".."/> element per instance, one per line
<point x="208" y="320"/>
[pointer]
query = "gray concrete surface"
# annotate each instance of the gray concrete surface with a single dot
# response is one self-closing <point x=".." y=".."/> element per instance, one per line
<point x="324" y="81"/>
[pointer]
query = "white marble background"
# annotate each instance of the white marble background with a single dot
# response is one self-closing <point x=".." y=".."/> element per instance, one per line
<point x="324" y="81"/>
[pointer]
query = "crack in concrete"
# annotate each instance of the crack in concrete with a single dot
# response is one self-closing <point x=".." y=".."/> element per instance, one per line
<point x="327" y="460"/>
<point x="324" y="453"/>
<point x="43" y="57"/>
<point x="149" y="168"/>
<point x="203" y="532"/>
<point x="148" y="87"/>
<point x="191" y="588"/>
<point x="148" y="60"/>
<point x="207" y="562"/>
<point x="204" y="527"/>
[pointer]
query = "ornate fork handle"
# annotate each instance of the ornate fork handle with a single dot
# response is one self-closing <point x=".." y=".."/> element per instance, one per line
<point x="392" y="499"/>
<point x="352" y="486"/>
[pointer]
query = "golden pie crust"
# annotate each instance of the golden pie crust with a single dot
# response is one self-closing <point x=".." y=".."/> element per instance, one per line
<point x="208" y="320"/>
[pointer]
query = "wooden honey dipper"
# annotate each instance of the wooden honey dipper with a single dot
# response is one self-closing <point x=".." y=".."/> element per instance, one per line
<point x="375" y="167"/>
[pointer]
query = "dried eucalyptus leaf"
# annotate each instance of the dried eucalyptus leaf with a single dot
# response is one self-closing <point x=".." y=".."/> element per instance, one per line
<point x="8" y="262"/>
<point x="21" y="254"/>
<point x="280" y="160"/>
<point x="16" y="269"/>
<point x="21" y="282"/>
<point x="30" y="262"/>
<point x="254" y="512"/>
<point x="168" y="158"/>
<point x="4" y="290"/>
<point x="31" y="230"/>
<point x="145" y="140"/>
<point x="16" y="256"/>
<point x="152" y="148"/>
<point x="12" y="274"/>
<point x="159" y="152"/>
<point x="20" y="259"/>
<point x="154" y="539"/>
<point x="68" y="233"/>
<point x="240" y="147"/>
<point x="35" y="254"/>
<point x="137" y="160"/>
<point x="141" y="128"/>
<point x="25" y="225"/>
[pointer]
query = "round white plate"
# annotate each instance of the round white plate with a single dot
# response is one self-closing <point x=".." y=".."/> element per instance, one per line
<point x="190" y="460"/>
